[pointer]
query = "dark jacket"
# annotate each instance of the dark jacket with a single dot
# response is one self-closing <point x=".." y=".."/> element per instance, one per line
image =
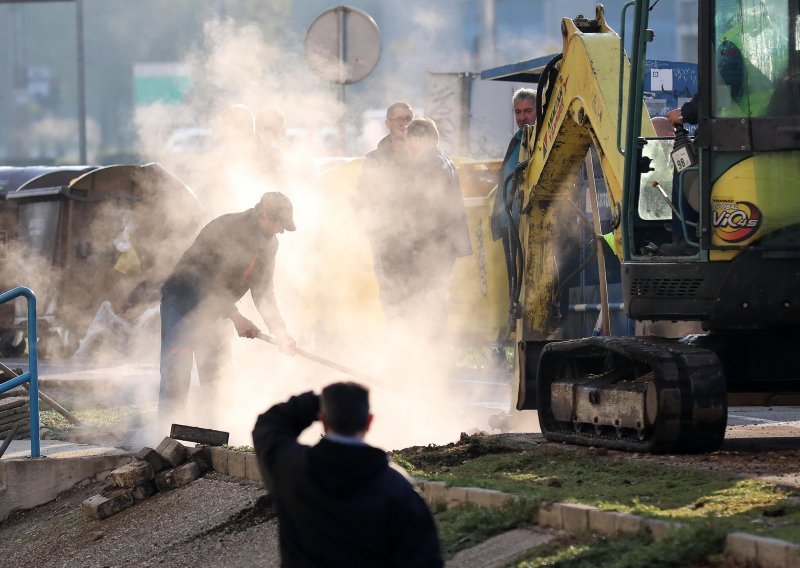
<point x="689" y="110"/>
<point x="435" y="212"/>
<point x="339" y="504"/>
<point x="379" y="188"/>
<point x="227" y="258"/>
<point x="499" y="221"/>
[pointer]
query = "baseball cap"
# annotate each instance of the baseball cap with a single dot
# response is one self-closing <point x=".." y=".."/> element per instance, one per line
<point x="278" y="206"/>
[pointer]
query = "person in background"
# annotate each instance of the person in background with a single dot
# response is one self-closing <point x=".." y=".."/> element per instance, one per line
<point x="434" y="229"/>
<point x="378" y="195"/>
<point x="339" y="503"/>
<point x="232" y="254"/>
<point x="686" y="114"/>
<point x="524" y="104"/>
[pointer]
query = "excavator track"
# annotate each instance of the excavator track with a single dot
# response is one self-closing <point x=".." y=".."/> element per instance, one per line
<point x="632" y="393"/>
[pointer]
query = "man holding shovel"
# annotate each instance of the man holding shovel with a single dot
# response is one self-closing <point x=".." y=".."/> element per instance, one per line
<point x="232" y="254"/>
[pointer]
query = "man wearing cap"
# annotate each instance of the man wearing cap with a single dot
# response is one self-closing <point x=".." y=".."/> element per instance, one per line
<point x="232" y="254"/>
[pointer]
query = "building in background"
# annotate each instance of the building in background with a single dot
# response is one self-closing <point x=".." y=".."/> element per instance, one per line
<point x="38" y="86"/>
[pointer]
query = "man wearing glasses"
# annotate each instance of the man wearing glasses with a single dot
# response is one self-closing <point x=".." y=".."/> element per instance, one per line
<point x="380" y="195"/>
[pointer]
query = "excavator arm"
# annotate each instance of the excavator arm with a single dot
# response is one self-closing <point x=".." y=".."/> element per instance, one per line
<point x="581" y="102"/>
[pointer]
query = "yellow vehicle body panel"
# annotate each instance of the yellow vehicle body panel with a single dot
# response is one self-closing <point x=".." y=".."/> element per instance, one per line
<point x="478" y="292"/>
<point x="745" y="206"/>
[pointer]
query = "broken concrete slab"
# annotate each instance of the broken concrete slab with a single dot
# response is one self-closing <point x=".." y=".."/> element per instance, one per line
<point x="201" y="456"/>
<point x="172" y="451"/>
<point x="103" y="506"/>
<point x="205" y="436"/>
<point x="174" y="478"/>
<point x="143" y="491"/>
<point x="151" y="456"/>
<point x="130" y="475"/>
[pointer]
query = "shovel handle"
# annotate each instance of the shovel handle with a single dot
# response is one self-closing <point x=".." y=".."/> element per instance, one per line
<point x="320" y="360"/>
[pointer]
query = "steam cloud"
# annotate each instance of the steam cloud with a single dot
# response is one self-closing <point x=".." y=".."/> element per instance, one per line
<point x="324" y="281"/>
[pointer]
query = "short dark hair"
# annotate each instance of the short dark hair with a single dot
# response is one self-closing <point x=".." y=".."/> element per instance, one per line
<point x="398" y="105"/>
<point x="423" y="128"/>
<point x="346" y="407"/>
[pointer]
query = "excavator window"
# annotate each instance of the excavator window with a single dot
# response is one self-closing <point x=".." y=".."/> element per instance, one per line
<point x="755" y="58"/>
<point x="653" y="204"/>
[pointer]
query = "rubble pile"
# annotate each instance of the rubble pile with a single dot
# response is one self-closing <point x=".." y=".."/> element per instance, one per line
<point x="169" y="466"/>
<point x="14" y="410"/>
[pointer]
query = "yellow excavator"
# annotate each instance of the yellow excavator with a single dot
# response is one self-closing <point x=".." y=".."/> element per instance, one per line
<point x="734" y="210"/>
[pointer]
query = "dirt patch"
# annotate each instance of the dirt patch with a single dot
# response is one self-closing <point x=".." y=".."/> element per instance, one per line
<point x="262" y="511"/>
<point x="438" y="458"/>
<point x="774" y="460"/>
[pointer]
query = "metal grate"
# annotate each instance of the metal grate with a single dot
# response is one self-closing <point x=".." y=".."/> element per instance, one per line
<point x="665" y="287"/>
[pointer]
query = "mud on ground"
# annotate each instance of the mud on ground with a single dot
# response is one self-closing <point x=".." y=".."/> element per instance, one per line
<point x="773" y="459"/>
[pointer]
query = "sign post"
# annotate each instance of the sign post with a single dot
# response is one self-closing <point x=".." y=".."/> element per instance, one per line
<point x="343" y="46"/>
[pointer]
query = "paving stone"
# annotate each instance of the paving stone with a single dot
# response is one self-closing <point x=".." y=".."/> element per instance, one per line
<point x="550" y="515"/>
<point x="177" y="477"/>
<point x="488" y="497"/>
<point x="501" y="550"/>
<point x="575" y="517"/>
<point x="660" y="529"/>
<point x="772" y="553"/>
<point x="251" y="469"/>
<point x="143" y="491"/>
<point x="433" y="491"/>
<point x="625" y="523"/>
<point x="132" y="474"/>
<point x="602" y="522"/>
<point x="455" y="496"/>
<point x="793" y="555"/>
<point x="172" y="451"/>
<point x="741" y="546"/>
<point x="103" y="506"/>
<point x="201" y="456"/>
<point x="219" y="459"/>
<point x="237" y="466"/>
<point x="151" y="456"/>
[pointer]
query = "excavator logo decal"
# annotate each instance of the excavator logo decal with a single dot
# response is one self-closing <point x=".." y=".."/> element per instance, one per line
<point x="555" y="118"/>
<point x="735" y="221"/>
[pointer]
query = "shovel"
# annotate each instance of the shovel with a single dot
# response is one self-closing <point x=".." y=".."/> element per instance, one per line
<point x="320" y="360"/>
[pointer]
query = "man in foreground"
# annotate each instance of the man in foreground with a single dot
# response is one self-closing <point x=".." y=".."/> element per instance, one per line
<point x="338" y="502"/>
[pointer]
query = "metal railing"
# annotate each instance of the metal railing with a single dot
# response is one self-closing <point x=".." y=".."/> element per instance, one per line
<point x="32" y="374"/>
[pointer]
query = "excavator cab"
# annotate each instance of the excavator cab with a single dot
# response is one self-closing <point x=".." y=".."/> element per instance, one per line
<point x="733" y="208"/>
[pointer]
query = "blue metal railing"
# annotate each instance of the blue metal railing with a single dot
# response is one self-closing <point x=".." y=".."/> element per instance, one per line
<point x="32" y="374"/>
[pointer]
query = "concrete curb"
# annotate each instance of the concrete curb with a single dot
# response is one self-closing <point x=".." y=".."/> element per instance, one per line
<point x="27" y="483"/>
<point x="745" y="549"/>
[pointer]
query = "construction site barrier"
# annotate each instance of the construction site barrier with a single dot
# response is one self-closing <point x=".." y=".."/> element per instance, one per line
<point x="31" y="376"/>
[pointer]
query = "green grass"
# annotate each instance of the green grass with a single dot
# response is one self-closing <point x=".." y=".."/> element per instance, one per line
<point x="686" y="547"/>
<point x="667" y="492"/>
<point x="99" y="418"/>
<point x="250" y="449"/>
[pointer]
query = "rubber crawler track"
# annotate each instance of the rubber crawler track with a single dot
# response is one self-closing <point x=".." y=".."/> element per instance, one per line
<point x="690" y="385"/>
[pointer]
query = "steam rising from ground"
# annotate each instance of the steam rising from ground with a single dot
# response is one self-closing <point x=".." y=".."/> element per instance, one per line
<point x="324" y="281"/>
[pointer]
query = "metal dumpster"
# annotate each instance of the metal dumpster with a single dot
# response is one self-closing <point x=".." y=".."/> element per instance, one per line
<point x="82" y="235"/>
